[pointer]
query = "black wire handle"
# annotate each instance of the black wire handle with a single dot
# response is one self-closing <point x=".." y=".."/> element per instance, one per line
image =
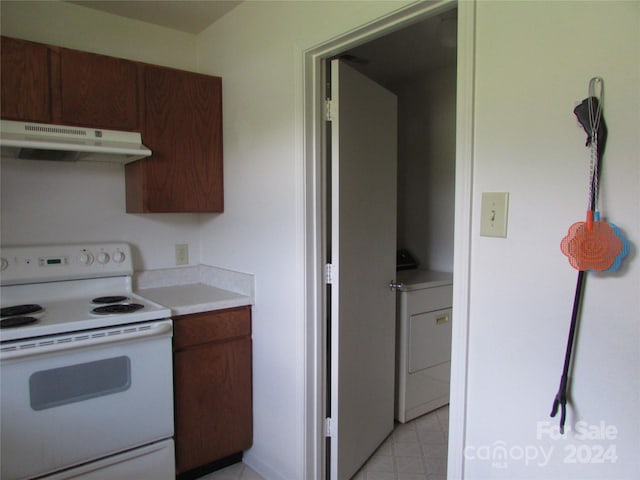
<point x="589" y="114"/>
<point x="561" y="396"/>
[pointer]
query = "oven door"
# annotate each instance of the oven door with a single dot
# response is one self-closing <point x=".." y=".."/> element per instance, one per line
<point x="71" y="399"/>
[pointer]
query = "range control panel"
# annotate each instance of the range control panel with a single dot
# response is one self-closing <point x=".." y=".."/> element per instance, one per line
<point x="48" y="263"/>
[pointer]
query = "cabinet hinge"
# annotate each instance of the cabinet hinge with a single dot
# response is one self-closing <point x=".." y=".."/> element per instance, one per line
<point x="328" y="113"/>
<point x="328" y="427"/>
<point x="328" y="273"/>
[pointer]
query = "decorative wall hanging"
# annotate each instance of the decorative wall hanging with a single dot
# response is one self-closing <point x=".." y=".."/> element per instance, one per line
<point x="592" y="245"/>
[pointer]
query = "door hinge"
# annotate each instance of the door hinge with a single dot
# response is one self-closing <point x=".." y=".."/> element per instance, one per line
<point x="329" y="427"/>
<point x="328" y="273"/>
<point x="328" y="113"/>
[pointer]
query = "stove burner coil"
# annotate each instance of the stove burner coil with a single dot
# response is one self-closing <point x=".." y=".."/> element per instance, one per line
<point x="117" y="308"/>
<point x="20" y="310"/>
<point x="17" y="321"/>
<point x="110" y="299"/>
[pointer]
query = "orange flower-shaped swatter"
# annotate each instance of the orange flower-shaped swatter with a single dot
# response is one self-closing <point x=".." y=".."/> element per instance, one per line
<point x="591" y="245"/>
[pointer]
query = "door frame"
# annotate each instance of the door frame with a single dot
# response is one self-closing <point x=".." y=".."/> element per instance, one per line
<point x="315" y="182"/>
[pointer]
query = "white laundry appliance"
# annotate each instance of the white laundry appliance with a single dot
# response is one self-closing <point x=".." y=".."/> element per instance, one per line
<point x="423" y="342"/>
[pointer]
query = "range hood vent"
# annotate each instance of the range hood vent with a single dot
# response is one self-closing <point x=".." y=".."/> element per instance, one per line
<point x="39" y="141"/>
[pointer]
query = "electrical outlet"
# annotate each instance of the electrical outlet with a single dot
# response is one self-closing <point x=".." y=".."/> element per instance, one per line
<point x="182" y="254"/>
<point x="493" y="217"/>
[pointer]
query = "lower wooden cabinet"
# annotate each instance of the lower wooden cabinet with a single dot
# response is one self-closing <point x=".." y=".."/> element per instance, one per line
<point x="212" y="376"/>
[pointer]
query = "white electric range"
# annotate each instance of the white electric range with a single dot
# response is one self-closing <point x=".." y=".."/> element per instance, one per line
<point x="85" y="367"/>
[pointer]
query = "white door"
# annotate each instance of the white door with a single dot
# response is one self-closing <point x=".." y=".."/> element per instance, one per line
<point x="362" y="229"/>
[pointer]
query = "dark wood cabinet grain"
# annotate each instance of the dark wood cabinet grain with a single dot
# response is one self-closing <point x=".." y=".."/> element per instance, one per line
<point x="178" y="113"/>
<point x="48" y="84"/>
<point x="183" y="128"/>
<point x="25" y="81"/>
<point x="98" y="91"/>
<point x="212" y="376"/>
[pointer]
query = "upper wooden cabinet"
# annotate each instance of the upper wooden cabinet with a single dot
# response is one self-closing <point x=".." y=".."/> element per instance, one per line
<point x="183" y="128"/>
<point x="178" y="113"/>
<point x="47" y="84"/>
<point x="98" y="91"/>
<point x="25" y="80"/>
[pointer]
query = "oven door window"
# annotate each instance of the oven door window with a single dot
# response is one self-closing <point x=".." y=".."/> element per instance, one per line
<point x="76" y="383"/>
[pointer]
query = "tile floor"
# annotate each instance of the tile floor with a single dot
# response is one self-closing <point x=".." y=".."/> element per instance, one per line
<point x="414" y="451"/>
<point x="237" y="471"/>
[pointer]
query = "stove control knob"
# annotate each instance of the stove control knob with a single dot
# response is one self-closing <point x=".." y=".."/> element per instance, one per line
<point x="102" y="257"/>
<point x="119" y="256"/>
<point x="4" y="265"/>
<point x="85" y="258"/>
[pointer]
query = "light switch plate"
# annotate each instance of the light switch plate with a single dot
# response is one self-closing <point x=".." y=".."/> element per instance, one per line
<point x="182" y="254"/>
<point x="493" y="218"/>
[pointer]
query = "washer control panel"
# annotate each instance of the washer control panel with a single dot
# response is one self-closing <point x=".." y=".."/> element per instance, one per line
<point x="47" y="263"/>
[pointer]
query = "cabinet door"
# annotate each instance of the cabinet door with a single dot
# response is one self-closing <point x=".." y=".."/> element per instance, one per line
<point x="213" y="416"/>
<point x="98" y="91"/>
<point x="183" y="129"/>
<point x="25" y="81"/>
<point x="208" y="327"/>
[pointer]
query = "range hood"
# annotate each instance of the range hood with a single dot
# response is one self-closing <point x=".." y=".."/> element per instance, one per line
<point x="40" y="141"/>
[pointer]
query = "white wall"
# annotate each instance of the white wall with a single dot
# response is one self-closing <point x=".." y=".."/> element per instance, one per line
<point x="426" y="167"/>
<point x="533" y="64"/>
<point x="48" y="202"/>
<point x="534" y="60"/>
<point x="72" y="26"/>
<point x="258" y="49"/>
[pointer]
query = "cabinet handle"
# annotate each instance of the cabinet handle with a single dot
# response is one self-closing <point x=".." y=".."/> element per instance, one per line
<point x="442" y="319"/>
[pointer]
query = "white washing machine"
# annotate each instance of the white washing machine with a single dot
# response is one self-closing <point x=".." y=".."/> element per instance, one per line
<point x="423" y="342"/>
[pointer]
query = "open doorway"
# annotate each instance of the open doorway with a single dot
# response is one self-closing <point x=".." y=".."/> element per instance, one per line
<point x="353" y="49"/>
<point x="394" y="149"/>
<point x="418" y="64"/>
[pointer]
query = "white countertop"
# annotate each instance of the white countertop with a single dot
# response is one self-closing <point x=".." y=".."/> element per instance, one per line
<point x="196" y="289"/>
<point x="194" y="298"/>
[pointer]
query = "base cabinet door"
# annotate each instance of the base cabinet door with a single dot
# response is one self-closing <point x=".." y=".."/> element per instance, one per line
<point x="212" y="374"/>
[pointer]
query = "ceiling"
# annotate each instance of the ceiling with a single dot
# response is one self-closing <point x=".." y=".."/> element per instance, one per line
<point x="418" y="48"/>
<point x="190" y="16"/>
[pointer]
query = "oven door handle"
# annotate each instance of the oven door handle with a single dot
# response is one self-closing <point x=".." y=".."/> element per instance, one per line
<point x="85" y="340"/>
